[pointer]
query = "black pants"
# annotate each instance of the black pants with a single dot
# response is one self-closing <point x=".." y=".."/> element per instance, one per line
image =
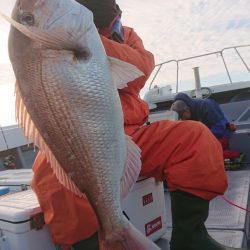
<point x="89" y="244"/>
<point x="189" y="214"/>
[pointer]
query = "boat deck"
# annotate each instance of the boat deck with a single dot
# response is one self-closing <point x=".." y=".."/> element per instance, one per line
<point x="226" y="223"/>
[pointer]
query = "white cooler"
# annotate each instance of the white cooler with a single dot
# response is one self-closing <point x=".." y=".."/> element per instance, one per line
<point x="16" y="179"/>
<point x="145" y="208"/>
<point x="20" y="216"/>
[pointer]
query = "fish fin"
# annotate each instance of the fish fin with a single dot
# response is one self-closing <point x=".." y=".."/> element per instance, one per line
<point x="132" y="167"/>
<point x="122" y="72"/>
<point x="131" y="238"/>
<point x="32" y="133"/>
<point x="46" y="38"/>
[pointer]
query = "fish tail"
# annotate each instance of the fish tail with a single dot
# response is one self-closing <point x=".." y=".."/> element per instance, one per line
<point x="131" y="239"/>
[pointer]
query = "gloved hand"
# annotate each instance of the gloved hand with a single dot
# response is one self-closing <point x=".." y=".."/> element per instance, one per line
<point x="117" y="31"/>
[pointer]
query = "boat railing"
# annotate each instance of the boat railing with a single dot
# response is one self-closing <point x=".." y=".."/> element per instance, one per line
<point x="219" y="52"/>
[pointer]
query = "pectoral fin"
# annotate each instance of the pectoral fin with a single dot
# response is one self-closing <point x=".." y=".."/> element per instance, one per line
<point x="122" y="72"/>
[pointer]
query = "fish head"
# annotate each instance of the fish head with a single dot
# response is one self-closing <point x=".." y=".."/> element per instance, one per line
<point x="47" y="14"/>
<point x="54" y="24"/>
<point x="25" y="15"/>
<point x="33" y="12"/>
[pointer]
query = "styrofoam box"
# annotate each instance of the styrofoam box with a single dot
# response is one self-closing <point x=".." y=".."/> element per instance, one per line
<point x="145" y="208"/>
<point x="16" y="179"/>
<point x="17" y="232"/>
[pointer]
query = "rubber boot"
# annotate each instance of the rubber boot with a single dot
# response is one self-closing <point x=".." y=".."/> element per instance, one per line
<point x="189" y="214"/>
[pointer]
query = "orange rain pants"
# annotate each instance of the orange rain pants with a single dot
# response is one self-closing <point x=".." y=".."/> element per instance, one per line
<point x="185" y="154"/>
<point x="70" y="218"/>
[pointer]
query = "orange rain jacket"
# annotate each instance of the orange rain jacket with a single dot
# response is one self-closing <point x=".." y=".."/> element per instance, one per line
<point x="184" y="153"/>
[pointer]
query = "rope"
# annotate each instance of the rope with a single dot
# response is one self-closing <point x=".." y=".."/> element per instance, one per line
<point x="235" y="205"/>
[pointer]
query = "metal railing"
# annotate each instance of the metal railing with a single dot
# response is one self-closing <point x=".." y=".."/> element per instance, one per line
<point x="220" y="52"/>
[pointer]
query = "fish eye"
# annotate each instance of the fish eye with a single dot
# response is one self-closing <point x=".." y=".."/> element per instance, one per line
<point x="27" y="19"/>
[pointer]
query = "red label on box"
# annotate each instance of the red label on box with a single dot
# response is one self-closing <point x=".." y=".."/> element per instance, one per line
<point x="153" y="226"/>
<point x="146" y="199"/>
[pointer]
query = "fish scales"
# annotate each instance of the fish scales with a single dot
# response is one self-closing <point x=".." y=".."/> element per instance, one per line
<point x="73" y="108"/>
<point x="88" y="126"/>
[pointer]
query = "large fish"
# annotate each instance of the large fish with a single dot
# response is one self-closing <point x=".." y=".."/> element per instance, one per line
<point x="68" y="104"/>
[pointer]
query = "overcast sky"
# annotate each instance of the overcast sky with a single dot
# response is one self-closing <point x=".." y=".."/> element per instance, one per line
<point x="179" y="29"/>
<point x="175" y="30"/>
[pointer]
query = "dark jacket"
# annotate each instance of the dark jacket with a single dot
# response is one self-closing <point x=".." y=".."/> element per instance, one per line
<point x="208" y="112"/>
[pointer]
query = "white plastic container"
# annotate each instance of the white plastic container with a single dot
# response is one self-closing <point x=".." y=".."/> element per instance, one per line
<point x="16" y="179"/>
<point x="17" y="223"/>
<point x="145" y="208"/>
<point x="163" y="115"/>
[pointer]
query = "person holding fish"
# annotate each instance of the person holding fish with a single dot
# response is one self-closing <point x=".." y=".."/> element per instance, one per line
<point x="185" y="155"/>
